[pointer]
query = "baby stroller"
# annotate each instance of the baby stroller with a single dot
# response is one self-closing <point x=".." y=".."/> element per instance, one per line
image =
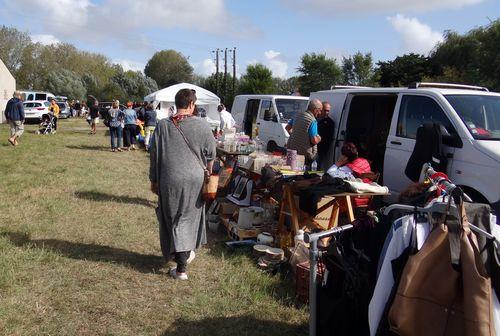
<point x="47" y="124"/>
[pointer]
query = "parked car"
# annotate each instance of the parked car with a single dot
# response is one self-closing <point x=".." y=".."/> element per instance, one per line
<point x="267" y="116"/>
<point x="64" y="110"/>
<point x="33" y="110"/>
<point x="385" y="121"/>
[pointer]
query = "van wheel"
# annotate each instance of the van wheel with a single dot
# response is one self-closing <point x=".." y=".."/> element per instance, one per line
<point x="271" y="146"/>
<point x="476" y="196"/>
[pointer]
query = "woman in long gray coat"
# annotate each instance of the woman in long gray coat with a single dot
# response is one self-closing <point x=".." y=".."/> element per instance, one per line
<point x="183" y="147"/>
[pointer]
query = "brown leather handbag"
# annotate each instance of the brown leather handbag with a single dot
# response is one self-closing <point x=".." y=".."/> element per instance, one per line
<point x="434" y="298"/>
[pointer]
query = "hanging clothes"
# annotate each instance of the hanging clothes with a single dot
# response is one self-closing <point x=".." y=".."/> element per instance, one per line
<point x="397" y="242"/>
<point x="351" y="271"/>
<point x="435" y="298"/>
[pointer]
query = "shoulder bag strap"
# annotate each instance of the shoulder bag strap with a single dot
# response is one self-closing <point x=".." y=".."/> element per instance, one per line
<point x="205" y="170"/>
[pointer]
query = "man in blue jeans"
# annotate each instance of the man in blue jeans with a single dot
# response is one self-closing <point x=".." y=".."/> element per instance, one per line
<point x="14" y="113"/>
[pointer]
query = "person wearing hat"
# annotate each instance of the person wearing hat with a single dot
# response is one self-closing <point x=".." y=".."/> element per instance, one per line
<point x="14" y="113"/>
<point x="130" y="130"/>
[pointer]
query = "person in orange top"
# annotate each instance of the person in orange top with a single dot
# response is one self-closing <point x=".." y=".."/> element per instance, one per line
<point x="54" y="108"/>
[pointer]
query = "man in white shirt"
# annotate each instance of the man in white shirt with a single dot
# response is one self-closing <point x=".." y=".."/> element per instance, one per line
<point x="226" y="119"/>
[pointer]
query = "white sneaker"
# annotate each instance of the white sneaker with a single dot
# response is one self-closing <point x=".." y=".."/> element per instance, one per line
<point x="192" y="255"/>
<point x="177" y="276"/>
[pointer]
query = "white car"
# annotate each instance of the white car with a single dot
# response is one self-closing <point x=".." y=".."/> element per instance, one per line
<point x="34" y="110"/>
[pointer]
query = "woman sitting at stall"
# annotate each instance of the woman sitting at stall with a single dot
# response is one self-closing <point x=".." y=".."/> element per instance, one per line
<point x="349" y="167"/>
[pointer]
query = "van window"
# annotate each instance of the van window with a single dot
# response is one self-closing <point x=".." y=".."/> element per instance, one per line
<point x="418" y="110"/>
<point x="480" y="113"/>
<point x="287" y="108"/>
<point x="45" y="103"/>
<point x="40" y="96"/>
<point x="30" y="97"/>
<point x="265" y="105"/>
<point x="28" y="105"/>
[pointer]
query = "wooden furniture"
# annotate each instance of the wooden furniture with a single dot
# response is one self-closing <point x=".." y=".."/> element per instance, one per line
<point x="329" y="210"/>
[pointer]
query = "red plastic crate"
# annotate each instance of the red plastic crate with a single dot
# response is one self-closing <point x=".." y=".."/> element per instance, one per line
<point x="302" y="280"/>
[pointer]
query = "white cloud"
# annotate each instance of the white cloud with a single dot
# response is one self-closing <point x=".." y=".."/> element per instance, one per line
<point x="274" y="60"/>
<point x="130" y="65"/>
<point x="331" y="7"/>
<point x="417" y="37"/>
<point x="126" y="20"/>
<point x="45" y="39"/>
<point x="205" y="68"/>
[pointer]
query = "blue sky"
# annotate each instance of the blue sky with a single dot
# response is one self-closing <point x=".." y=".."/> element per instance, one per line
<point x="274" y="32"/>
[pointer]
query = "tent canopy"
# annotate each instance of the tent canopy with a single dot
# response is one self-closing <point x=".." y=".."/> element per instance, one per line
<point x="164" y="99"/>
<point x="204" y="97"/>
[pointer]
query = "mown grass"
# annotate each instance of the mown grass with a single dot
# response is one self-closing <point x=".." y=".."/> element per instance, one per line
<point x="79" y="252"/>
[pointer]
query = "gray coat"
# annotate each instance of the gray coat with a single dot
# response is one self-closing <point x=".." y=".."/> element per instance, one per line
<point x="180" y="179"/>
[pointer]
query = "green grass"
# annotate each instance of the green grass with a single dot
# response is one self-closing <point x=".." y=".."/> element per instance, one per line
<point x="79" y="251"/>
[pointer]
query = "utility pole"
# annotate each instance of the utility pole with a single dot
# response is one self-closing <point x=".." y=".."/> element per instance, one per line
<point x="217" y="72"/>
<point x="225" y="75"/>
<point x="234" y="71"/>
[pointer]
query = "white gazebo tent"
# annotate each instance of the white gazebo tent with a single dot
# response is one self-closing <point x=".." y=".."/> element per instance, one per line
<point x="165" y="99"/>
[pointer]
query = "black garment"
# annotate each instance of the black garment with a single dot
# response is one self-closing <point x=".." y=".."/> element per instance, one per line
<point x="129" y="133"/>
<point x="181" y="259"/>
<point x="428" y="148"/>
<point x="94" y="112"/>
<point x="140" y="113"/>
<point x="309" y="197"/>
<point x="343" y="301"/>
<point x="54" y="121"/>
<point x="326" y="128"/>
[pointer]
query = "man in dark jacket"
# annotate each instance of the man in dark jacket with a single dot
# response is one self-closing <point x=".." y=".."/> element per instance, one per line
<point x="326" y="128"/>
<point x="14" y="113"/>
<point x="149" y="124"/>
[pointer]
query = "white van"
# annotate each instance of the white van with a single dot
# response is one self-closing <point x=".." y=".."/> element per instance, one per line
<point x="385" y="121"/>
<point x="267" y="116"/>
<point x="36" y="95"/>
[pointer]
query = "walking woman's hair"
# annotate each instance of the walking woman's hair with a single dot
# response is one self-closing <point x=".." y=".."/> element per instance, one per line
<point x="185" y="97"/>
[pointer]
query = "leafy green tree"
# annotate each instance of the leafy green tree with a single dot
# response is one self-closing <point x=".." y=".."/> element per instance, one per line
<point x="358" y="69"/>
<point x="471" y="58"/>
<point x="258" y="79"/>
<point x="212" y="84"/>
<point x="404" y="70"/>
<point x="318" y="72"/>
<point x="12" y="46"/>
<point x="66" y="83"/>
<point x="169" y="67"/>
<point x="286" y="86"/>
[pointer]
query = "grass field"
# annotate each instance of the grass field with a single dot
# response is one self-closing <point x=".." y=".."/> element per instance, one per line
<point x="79" y="251"/>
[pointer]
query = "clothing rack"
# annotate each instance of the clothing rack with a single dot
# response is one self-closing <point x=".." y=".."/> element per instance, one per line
<point x="441" y="207"/>
<point x="312" y="239"/>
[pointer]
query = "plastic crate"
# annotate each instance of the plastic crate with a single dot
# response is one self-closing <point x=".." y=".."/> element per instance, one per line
<point x="302" y="280"/>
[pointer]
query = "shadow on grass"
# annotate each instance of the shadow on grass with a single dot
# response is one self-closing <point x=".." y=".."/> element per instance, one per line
<point x="103" y="197"/>
<point x="243" y="325"/>
<point x="281" y="290"/>
<point x="90" y="148"/>
<point x="144" y="263"/>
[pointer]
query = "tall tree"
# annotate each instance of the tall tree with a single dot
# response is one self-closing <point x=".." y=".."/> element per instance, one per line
<point x="257" y="80"/>
<point x="66" y="83"/>
<point x="169" y="67"/>
<point x="318" y="72"/>
<point x="404" y="70"/>
<point x="12" y="46"/>
<point x="471" y="58"/>
<point x="358" y="69"/>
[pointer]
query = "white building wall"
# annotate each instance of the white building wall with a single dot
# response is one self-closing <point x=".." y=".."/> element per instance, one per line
<point x="7" y="88"/>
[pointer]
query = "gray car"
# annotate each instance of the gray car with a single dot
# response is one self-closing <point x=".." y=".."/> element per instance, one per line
<point x="64" y="110"/>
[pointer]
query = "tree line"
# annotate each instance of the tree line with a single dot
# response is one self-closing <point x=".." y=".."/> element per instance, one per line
<point x="471" y="58"/>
